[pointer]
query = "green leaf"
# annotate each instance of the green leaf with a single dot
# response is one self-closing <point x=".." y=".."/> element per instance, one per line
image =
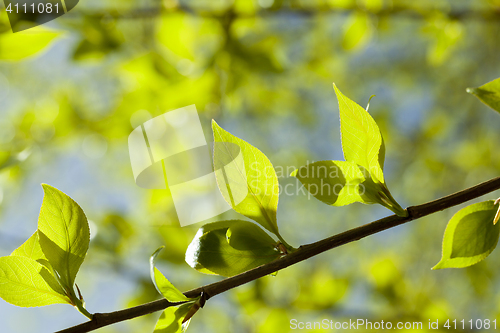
<point x="488" y="93"/>
<point x="171" y="319"/>
<point x="161" y="283"/>
<point x="470" y="236"/>
<point x="252" y="180"/>
<point x="27" y="283"/>
<point x="30" y="249"/>
<point x="364" y="148"/>
<point x="230" y="247"/>
<point x="362" y="141"/>
<point x="18" y="46"/>
<point x="64" y="234"/>
<point x="336" y="183"/>
<point x="248" y="236"/>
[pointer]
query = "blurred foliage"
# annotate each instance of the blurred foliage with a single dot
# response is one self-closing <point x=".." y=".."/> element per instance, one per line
<point x="263" y="69"/>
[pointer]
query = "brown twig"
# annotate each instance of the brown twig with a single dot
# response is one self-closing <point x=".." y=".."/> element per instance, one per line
<point x="303" y="253"/>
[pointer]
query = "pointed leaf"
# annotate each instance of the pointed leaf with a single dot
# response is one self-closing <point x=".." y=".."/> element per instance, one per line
<point x="161" y="283"/>
<point x="211" y="252"/>
<point x="25" y="282"/>
<point x="470" y="236"/>
<point x="254" y="177"/>
<point x="488" y="93"/>
<point x="171" y="319"/>
<point x="64" y="234"/>
<point x="361" y="138"/>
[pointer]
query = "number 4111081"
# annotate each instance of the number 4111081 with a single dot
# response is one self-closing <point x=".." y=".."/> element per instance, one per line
<point x="41" y="8"/>
<point x="471" y="324"/>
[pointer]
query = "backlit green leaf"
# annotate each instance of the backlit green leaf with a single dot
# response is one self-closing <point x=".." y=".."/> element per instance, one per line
<point x="171" y="319"/>
<point x="30" y="249"/>
<point x="470" y="236"/>
<point x="248" y="236"/>
<point x="362" y="142"/>
<point x="211" y="252"/>
<point x="161" y="283"/>
<point x="488" y="93"/>
<point x="64" y="234"/>
<point x="250" y="179"/>
<point x="336" y="183"/>
<point x="25" y="282"/>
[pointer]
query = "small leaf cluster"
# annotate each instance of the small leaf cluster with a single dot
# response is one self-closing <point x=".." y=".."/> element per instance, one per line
<point x="42" y="271"/>
<point x="360" y="178"/>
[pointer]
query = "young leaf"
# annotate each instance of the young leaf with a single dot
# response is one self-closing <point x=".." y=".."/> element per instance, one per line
<point x="230" y="247"/>
<point x="255" y="176"/>
<point x="161" y="283"/>
<point x="488" y="93"/>
<point x="171" y="319"/>
<point x="362" y="141"/>
<point x="335" y="183"/>
<point x="64" y="234"/>
<point x="470" y="236"/>
<point x="25" y="282"/>
<point x="30" y="249"/>
<point x="248" y="236"/>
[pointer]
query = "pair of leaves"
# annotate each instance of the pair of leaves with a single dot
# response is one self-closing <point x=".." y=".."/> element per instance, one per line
<point x="231" y="247"/>
<point x="360" y="177"/>
<point x="42" y="271"/>
<point x="249" y="184"/>
<point x="470" y="236"/>
<point x="173" y="319"/>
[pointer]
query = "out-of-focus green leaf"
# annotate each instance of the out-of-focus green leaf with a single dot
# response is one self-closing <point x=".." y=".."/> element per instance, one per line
<point x="488" y="93"/>
<point x="161" y="283"/>
<point x="253" y="178"/>
<point x="27" y="283"/>
<point x="470" y="236"/>
<point x="358" y="31"/>
<point x="211" y="252"/>
<point x="64" y="234"/>
<point x="171" y="319"/>
<point x="20" y="45"/>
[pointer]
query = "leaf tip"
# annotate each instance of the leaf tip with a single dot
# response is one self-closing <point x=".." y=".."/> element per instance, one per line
<point x="471" y="90"/>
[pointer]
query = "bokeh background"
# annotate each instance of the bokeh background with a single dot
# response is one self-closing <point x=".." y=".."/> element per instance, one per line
<point x="69" y="98"/>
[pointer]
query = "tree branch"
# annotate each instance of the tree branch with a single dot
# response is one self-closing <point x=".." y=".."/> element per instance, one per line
<point x="303" y="253"/>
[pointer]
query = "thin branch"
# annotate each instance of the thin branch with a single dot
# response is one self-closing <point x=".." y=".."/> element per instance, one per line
<point x="303" y="253"/>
